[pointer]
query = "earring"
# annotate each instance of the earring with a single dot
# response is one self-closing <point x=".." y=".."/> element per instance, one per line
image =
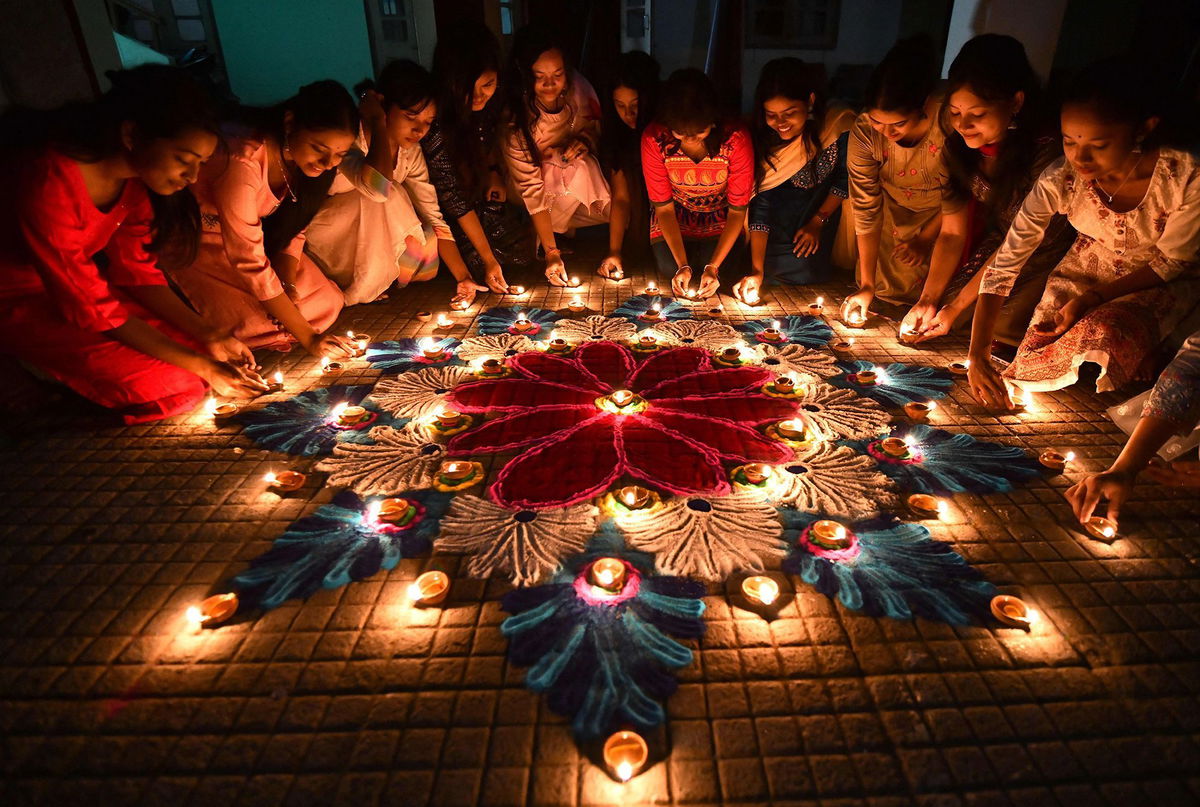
<point x="811" y="116"/>
<point x="1137" y="145"/>
<point x="1012" y="124"/>
<point x="287" y="147"/>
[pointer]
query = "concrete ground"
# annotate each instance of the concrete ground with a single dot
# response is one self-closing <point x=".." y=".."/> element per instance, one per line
<point x="110" y="533"/>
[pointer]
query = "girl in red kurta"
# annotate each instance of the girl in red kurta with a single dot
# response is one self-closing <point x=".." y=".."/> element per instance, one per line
<point x="111" y="329"/>
<point x="699" y="175"/>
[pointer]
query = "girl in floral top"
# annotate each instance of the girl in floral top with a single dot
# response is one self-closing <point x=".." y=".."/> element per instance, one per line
<point x="699" y="175"/>
<point x="800" y="179"/>
<point x="1126" y="281"/>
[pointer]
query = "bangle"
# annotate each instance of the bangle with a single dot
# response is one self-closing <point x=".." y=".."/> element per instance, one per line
<point x="823" y="219"/>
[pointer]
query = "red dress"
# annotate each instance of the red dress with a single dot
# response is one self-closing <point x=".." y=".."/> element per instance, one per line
<point x="56" y="303"/>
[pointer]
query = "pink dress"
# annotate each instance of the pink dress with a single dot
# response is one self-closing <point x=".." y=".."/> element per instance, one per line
<point x="575" y="193"/>
<point x="57" y="305"/>
<point x="1162" y="232"/>
<point x="232" y="274"/>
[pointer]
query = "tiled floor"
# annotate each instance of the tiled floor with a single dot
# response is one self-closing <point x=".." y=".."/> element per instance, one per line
<point x="353" y="697"/>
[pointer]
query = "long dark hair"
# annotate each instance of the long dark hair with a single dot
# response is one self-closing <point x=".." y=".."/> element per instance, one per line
<point x="529" y="43"/>
<point x="905" y="78"/>
<point x="638" y="71"/>
<point x="995" y="68"/>
<point x="787" y="77"/>
<point x="689" y="104"/>
<point x="464" y="53"/>
<point x="162" y="103"/>
<point x="405" y="84"/>
<point x="317" y="106"/>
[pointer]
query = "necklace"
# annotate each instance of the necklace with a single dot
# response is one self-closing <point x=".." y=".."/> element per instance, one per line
<point x="1128" y="174"/>
<point x="286" y="183"/>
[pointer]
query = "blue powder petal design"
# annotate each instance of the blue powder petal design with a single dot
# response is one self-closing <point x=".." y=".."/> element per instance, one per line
<point x="335" y="546"/>
<point x="604" y="665"/>
<point x="955" y="463"/>
<point x="300" y="425"/>
<point x="499" y="320"/>
<point x="800" y="329"/>
<point x="903" y="382"/>
<point x="901" y="572"/>
<point x="402" y="355"/>
<point x="634" y="307"/>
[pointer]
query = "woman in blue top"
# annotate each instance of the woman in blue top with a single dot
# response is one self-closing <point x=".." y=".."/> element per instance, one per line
<point x="800" y="179"/>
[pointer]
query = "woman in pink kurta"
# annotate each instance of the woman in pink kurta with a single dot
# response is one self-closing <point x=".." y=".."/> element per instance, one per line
<point x="112" y="329"/>
<point x="1129" y="277"/>
<point x="252" y="274"/>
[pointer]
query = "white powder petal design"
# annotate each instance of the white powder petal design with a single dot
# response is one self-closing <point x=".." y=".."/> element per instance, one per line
<point x="419" y="394"/>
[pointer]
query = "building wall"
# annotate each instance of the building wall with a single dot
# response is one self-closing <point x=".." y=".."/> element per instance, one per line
<point x="272" y="47"/>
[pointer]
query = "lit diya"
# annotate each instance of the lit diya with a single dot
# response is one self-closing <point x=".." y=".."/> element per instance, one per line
<point x="432" y="350"/>
<point x="1054" y="460"/>
<point x="729" y="357"/>
<point x="654" y="314"/>
<point x="576" y="304"/>
<point x="573" y="282"/>
<point x="1102" y="529"/>
<point x="794" y="430"/>
<point x="349" y="414"/>
<point x="772" y="334"/>
<point x="760" y="589"/>
<point x="829" y="534"/>
<point x="924" y="505"/>
<point x="841" y="346"/>
<point x="908" y="335"/>
<point x="817" y="307"/>
<point x="856" y="319"/>
<point x="1013" y="611"/>
<point x="607" y="574"/>
<point x="213" y="611"/>
<point x="222" y="411"/>
<point x="429" y="588"/>
<point x="443" y="322"/>
<point x="897" y="447"/>
<point x="755" y="473"/>
<point x="396" y="511"/>
<point x="652" y="288"/>
<point x="330" y="367"/>
<point x="625" y="753"/>
<point x="276" y="384"/>
<point x="918" y="410"/>
<point x="867" y="378"/>
<point x="284" y="481"/>
<point x="523" y="325"/>
<point x="634" y="497"/>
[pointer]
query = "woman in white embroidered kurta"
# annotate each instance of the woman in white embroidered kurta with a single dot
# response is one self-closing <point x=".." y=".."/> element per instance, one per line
<point x="1162" y="233"/>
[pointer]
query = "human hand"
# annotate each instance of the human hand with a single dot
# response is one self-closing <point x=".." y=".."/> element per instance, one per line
<point x="858" y="303"/>
<point x="1177" y="474"/>
<point x="1070" y="313"/>
<point x="681" y="281"/>
<point x="940" y="325"/>
<point x="556" y="270"/>
<point x="610" y="268"/>
<point x="1111" y="485"/>
<point x="232" y="381"/>
<point x="807" y="239"/>
<point x="914" y="252"/>
<point x="575" y="150"/>
<point x="330" y="345"/>
<point x="225" y="348"/>
<point x="917" y="320"/>
<point x="987" y="386"/>
<point x="710" y="281"/>
<point x="496" y="190"/>
<point x="370" y="109"/>
<point x="748" y="289"/>
<point x="493" y="276"/>
<point x="464" y="292"/>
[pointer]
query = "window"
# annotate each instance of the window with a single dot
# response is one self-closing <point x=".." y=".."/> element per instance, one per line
<point x="802" y="24"/>
<point x="395" y="20"/>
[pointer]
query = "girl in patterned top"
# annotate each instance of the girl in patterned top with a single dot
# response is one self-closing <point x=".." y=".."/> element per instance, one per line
<point x="699" y="175"/>
<point x="800" y="177"/>
<point x="1128" y="279"/>
<point x="907" y="217"/>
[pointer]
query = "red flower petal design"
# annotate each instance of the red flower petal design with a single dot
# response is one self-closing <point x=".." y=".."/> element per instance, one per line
<point x="544" y="367"/>
<point x="518" y="430"/>
<point x="515" y="393"/>
<point x="608" y="361"/>
<point x="753" y="410"/>
<point x="711" y="382"/>
<point x="659" y="458"/>
<point x="577" y="465"/>
<point x="668" y="364"/>
<point x="732" y="441"/>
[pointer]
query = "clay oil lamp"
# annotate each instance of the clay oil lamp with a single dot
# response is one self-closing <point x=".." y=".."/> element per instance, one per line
<point x="1013" y="612"/>
<point x="429" y="588"/>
